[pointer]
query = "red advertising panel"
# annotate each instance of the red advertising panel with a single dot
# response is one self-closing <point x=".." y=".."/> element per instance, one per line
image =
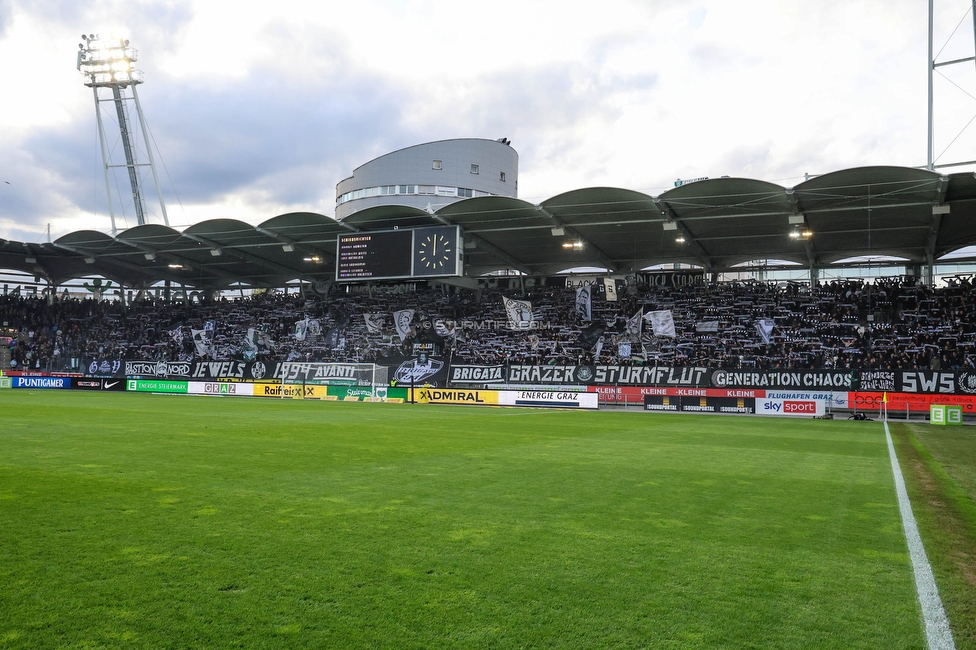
<point x="911" y="401"/>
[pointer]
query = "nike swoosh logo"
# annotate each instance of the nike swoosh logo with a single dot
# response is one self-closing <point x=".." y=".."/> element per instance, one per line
<point x="109" y="385"/>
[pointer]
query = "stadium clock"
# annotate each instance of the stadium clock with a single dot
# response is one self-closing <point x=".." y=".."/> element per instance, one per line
<point x="436" y="252"/>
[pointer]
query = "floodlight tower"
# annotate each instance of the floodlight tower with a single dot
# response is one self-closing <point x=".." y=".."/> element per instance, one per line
<point x="107" y="63"/>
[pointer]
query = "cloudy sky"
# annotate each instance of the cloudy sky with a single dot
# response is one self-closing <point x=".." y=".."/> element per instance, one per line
<point x="260" y="108"/>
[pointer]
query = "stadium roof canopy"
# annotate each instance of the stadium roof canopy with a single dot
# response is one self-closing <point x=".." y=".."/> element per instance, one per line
<point x="913" y="214"/>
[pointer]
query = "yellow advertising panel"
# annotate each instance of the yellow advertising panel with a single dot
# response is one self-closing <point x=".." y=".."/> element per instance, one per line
<point x="294" y="391"/>
<point x="457" y="396"/>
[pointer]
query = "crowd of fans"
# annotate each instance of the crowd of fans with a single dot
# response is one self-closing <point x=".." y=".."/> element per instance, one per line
<point x="891" y="323"/>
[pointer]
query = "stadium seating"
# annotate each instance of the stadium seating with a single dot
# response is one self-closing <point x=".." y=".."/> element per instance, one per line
<point x="844" y="325"/>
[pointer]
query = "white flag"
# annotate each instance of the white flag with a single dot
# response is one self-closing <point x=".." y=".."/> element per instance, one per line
<point x="662" y="322"/>
<point x="764" y="327"/>
<point x="584" y="303"/>
<point x="707" y="326"/>
<point x="374" y="323"/>
<point x="202" y="340"/>
<point x="623" y="349"/>
<point x="402" y="321"/>
<point x="598" y="351"/>
<point x="635" y="324"/>
<point x="611" y="287"/>
<point x="519" y="313"/>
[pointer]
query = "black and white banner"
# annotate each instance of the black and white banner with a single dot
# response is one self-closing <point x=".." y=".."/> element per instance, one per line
<point x="584" y="303"/>
<point x="609" y="375"/>
<point x="157" y="368"/>
<point x="477" y="375"/>
<point x="825" y="379"/>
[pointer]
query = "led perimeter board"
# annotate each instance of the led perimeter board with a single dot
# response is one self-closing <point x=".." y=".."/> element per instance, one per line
<point x="396" y="254"/>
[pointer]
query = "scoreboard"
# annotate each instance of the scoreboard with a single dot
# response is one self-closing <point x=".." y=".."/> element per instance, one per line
<point x="395" y="254"/>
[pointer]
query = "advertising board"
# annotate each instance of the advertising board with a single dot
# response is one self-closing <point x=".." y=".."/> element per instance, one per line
<point x="548" y="399"/>
<point x="911" y="402"/>
<point x="41" y="382"/>
<point x="699" y="404"/>
<point x="457" y="396"/>
<point x="156" y="386"/>
<point x="238" y="389"/>
<point x="790" y="407"/>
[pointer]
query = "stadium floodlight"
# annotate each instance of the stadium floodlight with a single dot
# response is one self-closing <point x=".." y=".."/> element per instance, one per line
<point x="175" y="266"/>
<point x="107" y="63"/>
<point x="670" y="225"/>
<point x="216" y="252"/>
<point x="89" y="260"/>
<point x="680" y="239"/>
<point x="558" y="232"/>
<point x="288" y="248"/>
<point x="575" y="245"/>
<point x="151" y="257"/>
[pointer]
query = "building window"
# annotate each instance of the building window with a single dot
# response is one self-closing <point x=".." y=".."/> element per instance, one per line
<point x="425" y="189"/>
<point x="465" y="192"/>
<point x="474" y="169"/>
<point x="501" y="176"/>
<point x="437" y="165"/>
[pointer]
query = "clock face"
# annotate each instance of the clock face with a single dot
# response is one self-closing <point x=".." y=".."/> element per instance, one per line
<point x="435" y="253"/>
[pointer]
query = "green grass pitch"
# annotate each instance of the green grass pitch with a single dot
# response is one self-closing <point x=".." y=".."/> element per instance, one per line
<point x="150" y="521"/>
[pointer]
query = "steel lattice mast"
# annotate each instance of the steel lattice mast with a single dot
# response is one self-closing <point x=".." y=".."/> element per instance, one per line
<point x="107" y="63"/>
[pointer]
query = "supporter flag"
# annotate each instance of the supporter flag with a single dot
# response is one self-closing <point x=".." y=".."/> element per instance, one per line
<point x="177" y="335"/>
<point x="598" y="351"/>
<point x="635" y="324"/>
<point x="764" y="327"/>
<point x="519" y="313"/>
<point x="662" y="322"/>
<point x="623" y="349"/>
<point x="445" y="328"/>
<point x="706" y="326"/>
<point x="374" y="323"/>
<point x="402" y="321"/>
<point x="314" y="327"/>
<point x="301" y="329"/>
<point x="202" y="341"/>
<point x="611" y="288"/>
<point x="590" y="335"/>
<point x="583" y="303"/>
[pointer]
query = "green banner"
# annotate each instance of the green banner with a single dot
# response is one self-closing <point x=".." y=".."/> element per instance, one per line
<point x="156" y="386"/>
<point x="363" y="393"/>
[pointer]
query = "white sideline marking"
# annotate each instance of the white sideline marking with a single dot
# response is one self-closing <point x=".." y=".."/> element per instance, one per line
<point x="936" y="623"/>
